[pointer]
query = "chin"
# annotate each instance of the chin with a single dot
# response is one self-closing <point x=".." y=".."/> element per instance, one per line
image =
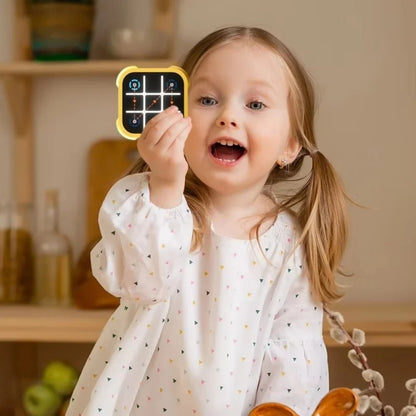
<point x="224" y="184"/>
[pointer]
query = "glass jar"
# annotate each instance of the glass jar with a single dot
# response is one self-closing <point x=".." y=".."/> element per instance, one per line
<point x="125" y="30"/>
<point x="16" y="253"/>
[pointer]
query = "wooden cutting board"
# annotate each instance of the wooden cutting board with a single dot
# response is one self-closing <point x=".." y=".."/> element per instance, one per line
<point x="108" y="161"/>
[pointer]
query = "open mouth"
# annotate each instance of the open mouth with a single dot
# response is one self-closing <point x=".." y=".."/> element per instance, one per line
<point x="227" y="151"/>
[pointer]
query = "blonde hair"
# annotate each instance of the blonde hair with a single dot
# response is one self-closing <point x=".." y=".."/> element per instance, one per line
<point x="320" y="204"/>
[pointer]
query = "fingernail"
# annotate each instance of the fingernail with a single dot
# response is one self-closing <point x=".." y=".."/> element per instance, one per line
<point x="173" y="108"/>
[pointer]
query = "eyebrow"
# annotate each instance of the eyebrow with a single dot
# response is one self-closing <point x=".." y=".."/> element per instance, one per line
<point x="202" y="79"/>
<point x="261" y="83"/>
<point x="254" y="82"/>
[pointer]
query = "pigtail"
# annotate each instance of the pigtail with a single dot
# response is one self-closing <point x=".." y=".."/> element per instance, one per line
<point x="323" y="217"/>
<point x="197" y="197"/>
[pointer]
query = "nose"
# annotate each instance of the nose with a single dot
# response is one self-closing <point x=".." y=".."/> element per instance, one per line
<point x="226" y="118"/>
<point x="224" y="123"/>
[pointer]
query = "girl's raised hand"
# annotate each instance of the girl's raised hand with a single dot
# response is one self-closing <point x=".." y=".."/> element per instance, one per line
<point x="161" y="147"/>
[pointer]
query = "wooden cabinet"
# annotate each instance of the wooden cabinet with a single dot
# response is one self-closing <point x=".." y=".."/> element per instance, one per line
<point x="32" y="336"/>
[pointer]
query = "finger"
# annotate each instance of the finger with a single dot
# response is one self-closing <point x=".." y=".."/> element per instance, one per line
<point x="179" y="142"/>
<point x="159" y="121"/>
<point x="174" y="133"/>
<point x="158" y="131"/>
<point x="170" y="110"/>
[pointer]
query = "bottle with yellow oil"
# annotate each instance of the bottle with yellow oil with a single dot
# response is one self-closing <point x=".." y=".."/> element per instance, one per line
<point x="53" y="265"/>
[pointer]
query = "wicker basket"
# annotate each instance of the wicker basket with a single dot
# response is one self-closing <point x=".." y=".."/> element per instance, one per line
<point x="61" y="30"/>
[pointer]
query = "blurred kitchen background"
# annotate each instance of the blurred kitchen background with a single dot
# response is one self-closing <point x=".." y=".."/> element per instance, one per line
<point x="362" y="57"/>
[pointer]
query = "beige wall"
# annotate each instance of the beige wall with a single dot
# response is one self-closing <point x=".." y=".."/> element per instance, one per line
<point x="362" y="56"/>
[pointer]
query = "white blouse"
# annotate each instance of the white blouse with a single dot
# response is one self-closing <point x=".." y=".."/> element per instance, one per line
<point x="211" y="332"/>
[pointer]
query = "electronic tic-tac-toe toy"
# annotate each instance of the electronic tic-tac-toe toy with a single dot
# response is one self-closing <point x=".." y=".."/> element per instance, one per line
<point x="145" y="92"/>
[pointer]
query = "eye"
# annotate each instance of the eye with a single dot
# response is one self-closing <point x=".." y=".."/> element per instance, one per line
<point x="207" y="101"/>
<point x="256" y="105"/>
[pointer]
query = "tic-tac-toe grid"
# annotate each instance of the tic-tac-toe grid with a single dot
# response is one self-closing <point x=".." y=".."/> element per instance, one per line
<point x="147" y="94"/>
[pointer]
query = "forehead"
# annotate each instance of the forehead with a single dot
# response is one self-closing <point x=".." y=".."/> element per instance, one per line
<point x="242" y="59"/>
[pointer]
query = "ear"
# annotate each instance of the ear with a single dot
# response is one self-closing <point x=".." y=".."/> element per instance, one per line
<point x="292" y="149"/>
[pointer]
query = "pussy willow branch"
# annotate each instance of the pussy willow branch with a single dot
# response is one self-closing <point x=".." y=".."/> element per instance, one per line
<point x="357" y="349"/>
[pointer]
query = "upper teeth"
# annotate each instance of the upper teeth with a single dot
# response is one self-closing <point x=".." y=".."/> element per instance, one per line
<point x="228" y="143"/>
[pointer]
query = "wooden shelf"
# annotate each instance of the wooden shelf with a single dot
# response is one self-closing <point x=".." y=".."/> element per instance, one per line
<point x="385" y="326"/>
<point x="47" y="324"/>
<point x="71" y="68"/>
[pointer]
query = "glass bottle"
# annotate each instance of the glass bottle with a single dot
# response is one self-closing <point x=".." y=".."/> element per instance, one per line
<point x="16" y="254"/>
<point x="53" y="259"/>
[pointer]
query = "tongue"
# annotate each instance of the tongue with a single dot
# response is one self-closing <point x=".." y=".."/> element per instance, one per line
<point x="227" y="152"/>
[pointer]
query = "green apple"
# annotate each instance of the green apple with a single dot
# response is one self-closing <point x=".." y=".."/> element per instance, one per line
<point x="41" y="400"/>
<point x="61" y="377"/>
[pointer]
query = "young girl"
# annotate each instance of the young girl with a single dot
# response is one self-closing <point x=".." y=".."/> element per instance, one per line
<point x="221" y="285"/>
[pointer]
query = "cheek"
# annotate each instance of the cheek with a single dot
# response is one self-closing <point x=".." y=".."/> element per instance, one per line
<point x="192" y="147"/>
<point x="265" y="159"/>
<point x="268" y="147"/>
<point x="194" y="110"/>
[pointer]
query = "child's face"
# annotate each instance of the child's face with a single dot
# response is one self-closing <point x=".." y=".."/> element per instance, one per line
<point x="240" y="117"/>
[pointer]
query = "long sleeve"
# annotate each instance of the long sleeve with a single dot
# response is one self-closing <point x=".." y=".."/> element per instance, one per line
<point x="140" y="258"/>
<point x="143" y="247"/>
<point x="295" y="369"/>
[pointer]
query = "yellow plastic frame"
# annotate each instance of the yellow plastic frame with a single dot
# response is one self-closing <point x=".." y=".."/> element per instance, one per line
<point x="128" y="70"/>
